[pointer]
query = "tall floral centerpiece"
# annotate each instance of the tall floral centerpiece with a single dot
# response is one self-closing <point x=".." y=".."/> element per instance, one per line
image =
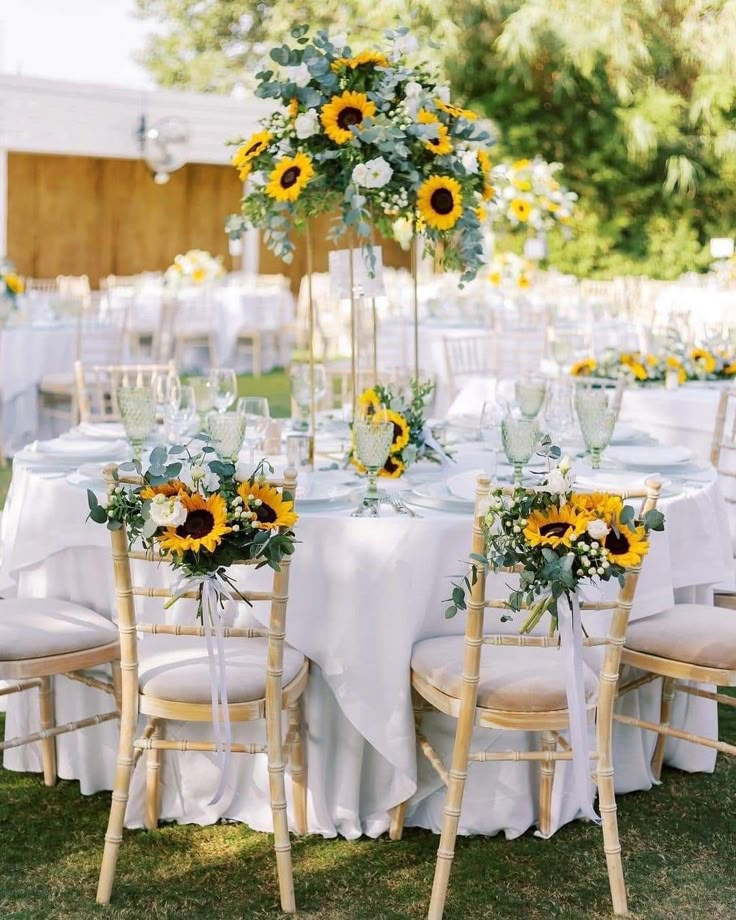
<point x="11" y="284"/>
<point x="372" y="135"/>
<point x="194" y="267"/>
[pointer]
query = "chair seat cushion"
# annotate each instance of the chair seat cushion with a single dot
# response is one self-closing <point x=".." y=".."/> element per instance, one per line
<point x="40" y="627"/>
<point x="511" y="679"/>
<point x="695" y="633"/>
<point x="178" y="668"/>
<point x="60" y="383"/>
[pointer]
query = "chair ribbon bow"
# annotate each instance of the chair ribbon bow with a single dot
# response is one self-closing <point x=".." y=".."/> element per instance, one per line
<point x="214" y="589"/>
<point x="571" y="647"/>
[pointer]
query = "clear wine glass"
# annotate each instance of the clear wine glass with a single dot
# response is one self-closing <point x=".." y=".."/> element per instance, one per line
<point x="179" y="419"/>
<point x="490" y="425"/>
<point x="374" y="434"/>
<point x="558" y="412"/>
<point x="530" y="394"/>
<point x="505" y="393"/>
<point x="560" y="347"/>
<point x="224" y="384"/>
<point x="257" y="415"/>
<point x="301" y="388"/>
<point x="166" y="388"/>
<point x="520" y="437"/>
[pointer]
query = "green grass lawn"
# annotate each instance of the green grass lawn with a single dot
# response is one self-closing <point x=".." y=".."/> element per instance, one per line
<point x="678" y="844"/>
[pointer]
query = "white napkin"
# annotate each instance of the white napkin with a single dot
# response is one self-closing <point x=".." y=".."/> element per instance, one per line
<point x="463" y="485"/>
<point x="108" y="431"/>
<point x="76" y="448"/>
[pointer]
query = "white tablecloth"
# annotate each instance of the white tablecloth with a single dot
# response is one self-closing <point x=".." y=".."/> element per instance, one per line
<point x="28" y="351"/>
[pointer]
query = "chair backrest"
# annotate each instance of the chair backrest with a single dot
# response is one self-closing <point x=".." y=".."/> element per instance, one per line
<point x="467" y="356"/>
<point x="43" y="285"/>
<point x="129" y="624"/>
<point x="479" y="603"/>
<point x="723" y="445"/>
<point x="97" y="386"/>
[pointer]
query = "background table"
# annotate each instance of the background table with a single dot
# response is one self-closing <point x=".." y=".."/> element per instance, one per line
<point x="362" y="593"/>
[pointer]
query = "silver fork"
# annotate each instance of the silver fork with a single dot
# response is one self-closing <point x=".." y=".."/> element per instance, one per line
<point x="400" y="507"/>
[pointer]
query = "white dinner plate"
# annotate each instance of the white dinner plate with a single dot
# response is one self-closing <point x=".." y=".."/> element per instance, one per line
<point x="436" y="495"/>
<point x="655" y="457"/>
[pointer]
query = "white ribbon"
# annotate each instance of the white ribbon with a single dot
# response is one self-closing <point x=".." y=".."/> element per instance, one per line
<point x="215" y="591"/>
<point x="571" y="647"/>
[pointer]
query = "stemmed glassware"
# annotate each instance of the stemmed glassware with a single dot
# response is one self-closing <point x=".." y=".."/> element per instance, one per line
<point x="180" y="418"/>
<point x="560" y="347"/>
<point x="374" y="434"/>
<point x="257" y="415"/>
<point x="520" y="437"/>
<point x="227" y="430"/>
<point x="301" y="381"/>
<point x="558" y="412"/>
<point x="138" y="415"/>
<point x="224" y="386"/>
<point x="530" y="393"/>
<point x="203" y="395"/>
<point x="166" y="392"/>
<point x="597" y="421"/>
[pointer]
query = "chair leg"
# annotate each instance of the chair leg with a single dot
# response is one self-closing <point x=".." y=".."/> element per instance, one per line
<point x="668" y="695"/>
<point x="153" y="778"/>
<point x="397" y="816"/>
<point x="121" y="789"/>
<point x="547" y="770"/>
<point x="296" y="767"/>
<point x="282" y="842"/>
<point x="48" y="745"/>
<point x="611" y="841"/>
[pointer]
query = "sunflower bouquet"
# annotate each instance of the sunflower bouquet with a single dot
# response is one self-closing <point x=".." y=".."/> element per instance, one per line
<point x="200" y="513"/>
<point x="412" y="440"/>
<point x="11" y="284"/>
<point x="530" y="195"/>
<point x="560" y="538"/>
<point x="371" y="135"/>
<point x="194" y="267"/>
<point x="646" y="368"/>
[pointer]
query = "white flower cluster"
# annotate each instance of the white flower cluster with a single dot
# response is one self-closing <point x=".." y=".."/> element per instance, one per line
<point x="530" y="194"/>
<point x="372" y="174"/>
<point x="194" y="267"/>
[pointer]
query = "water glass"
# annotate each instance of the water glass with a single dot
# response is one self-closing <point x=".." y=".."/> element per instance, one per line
<point x="560" y="347"/>
<point x="204" y="396"/>
<point x="597" y="422"/>
<point x="374" y="434"/>
<point x="179" y="419"/>
<point x="257" y="415"/>
<point x="301" y="388"/>
<point x="520" y="437"/>
<point x="138" y="415"/>
<point x="490" y="426"/>
<point x="227" y="430"/>
<point x="166" y="388"/>
<point x="224" y="384"/>
<point x="558" y="412"/>
<point x="530" y="395"/>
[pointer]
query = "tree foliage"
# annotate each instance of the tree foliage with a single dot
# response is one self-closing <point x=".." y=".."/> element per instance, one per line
<point x="637" y="98"/>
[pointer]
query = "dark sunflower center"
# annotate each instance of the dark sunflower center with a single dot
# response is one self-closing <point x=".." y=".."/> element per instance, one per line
<point x="265" y="514"/>
<point x="290" y="177"/>
<point x="398" y="431"/>
<point x="617" y="543"/>
<point x="198" y="524"/>
<point x="348" y="117"/>
<point x="442" y="201"/>
<point x="391" y="465"/>
<point x="555" y="529"/>
<point x="254" y="148"/>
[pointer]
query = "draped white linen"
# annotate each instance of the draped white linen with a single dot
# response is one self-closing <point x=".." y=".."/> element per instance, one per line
<point x="362" y="593"/>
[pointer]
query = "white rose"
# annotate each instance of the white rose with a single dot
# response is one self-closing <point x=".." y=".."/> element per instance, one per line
<point x="412" y="89"/>
<point x="306" y="124"/>
<point x="167" y="512"/>
<point x="556" y="482"/>
<point x="378" y="173"/>
<point x="339" y="40"/>
<point x="470" y="161"/>
<point x="443" y="93"/>
<point x="299" y="75"/>
<point x="598" y="530"/>
<point x="403" y="231"/>
<point x="360" y="174"/>
<point x="257" y="178"/>
<point x="404" y="44"/>
<point x="564" y="465"/>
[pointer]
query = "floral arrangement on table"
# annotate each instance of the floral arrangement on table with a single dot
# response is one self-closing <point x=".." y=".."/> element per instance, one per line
<point x="412" y="439"/>
<point x="11" y="284"/>
<point x="510" y="270"/>
<point x="530" y="195"/>
<point x="371" y="135"/>
<point x="196" y="266"/>
<point x="202" y="514"/>
<point x="560" y="538"/>
<point x="689" y="364"/>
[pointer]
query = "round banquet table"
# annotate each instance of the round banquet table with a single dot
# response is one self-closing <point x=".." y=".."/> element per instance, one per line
<point x="362" y="593"/>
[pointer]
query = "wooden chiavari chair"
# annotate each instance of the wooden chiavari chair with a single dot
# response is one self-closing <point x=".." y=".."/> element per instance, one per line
<point x="75" y="294"/>
<point x="723" y="458"/>
<point x="516" y="682"/>
<point x="467" y="356"/>
<point x="97" y="386"/>
<point x="264" y="678"/>
<point x="42" y="285"/>
<point x="41" y="638"/>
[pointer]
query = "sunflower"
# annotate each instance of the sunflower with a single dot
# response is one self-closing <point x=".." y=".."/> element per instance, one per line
<point x="438" y="145"/>
<point x="523" y="185"/>
<point x="638" y="370"/>
<point x="600" y="504"/>
<point x="271" y="509"/>
<point x="518" y="165"/>
<point x="393" y="468"/>
<point x="251" y="148"/>
<point x="440" y="202"/>
<point x="169" y="489"/>
<point x="584" y="368"/>
<point x="484" y="161"/>
<point x="729" y="370"/>
<point x="14" y="283"/>
<point x="495" y="278"/>
<point x="293" y="108"/>
<point x="481" y="212"/>
<point x="204" y="528"/>
<point x="555" y="526"/>
<point x="288" y="178"/>
<point x="626" y="547"/>
<point x="376" y="58"/>
<point x="344" y="112"/>
<point x="401" y="431"/>
<point x="521" y="209"/>
<point x="454" y="111"/>
<point x="704" y="359"/>
<point x="674" y="363"/>
<point x="369" y="400"/>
